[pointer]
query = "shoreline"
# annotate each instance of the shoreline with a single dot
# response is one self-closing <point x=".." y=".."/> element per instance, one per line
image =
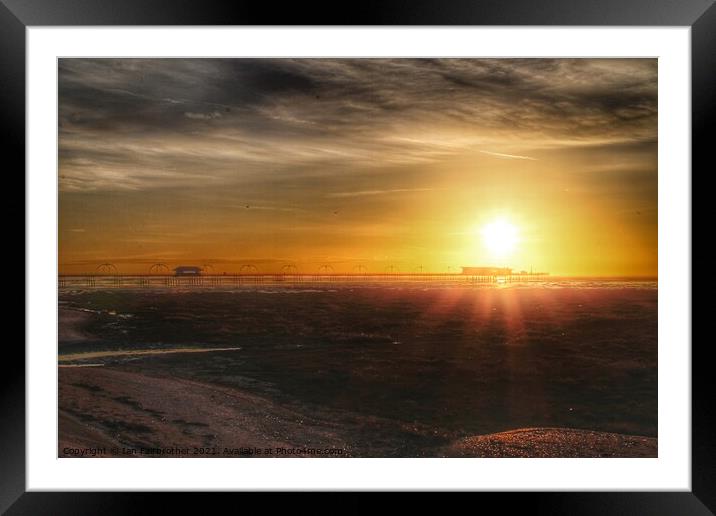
<point x="70" y="357"/>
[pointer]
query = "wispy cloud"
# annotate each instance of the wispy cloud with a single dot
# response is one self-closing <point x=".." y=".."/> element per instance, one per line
<point x="203" y="116"/>
<point x="507" y="156"/>
<point x="142" y="124"/>
<point x="362" y="193"/>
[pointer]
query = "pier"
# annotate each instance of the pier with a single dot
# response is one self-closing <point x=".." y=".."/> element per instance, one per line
<point x="283" y="279"/>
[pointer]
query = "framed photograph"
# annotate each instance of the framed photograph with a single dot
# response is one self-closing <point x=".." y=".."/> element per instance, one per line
<point x="422" y="247"/>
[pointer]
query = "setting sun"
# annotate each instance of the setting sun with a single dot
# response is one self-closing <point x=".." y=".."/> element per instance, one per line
<point x="500" y="238"/>
<point x="305" y="165"/>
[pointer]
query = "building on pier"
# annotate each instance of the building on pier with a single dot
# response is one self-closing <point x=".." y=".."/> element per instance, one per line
<point x="187" y="270"/>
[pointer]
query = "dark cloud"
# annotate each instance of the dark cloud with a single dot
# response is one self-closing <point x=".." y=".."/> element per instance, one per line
<point x="140" y="123"/>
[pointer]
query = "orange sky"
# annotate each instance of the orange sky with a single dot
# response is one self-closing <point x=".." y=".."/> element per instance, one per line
<point x="358" y="162"/>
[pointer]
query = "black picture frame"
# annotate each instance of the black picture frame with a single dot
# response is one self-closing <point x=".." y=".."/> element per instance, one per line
<point x="17" y="15"/>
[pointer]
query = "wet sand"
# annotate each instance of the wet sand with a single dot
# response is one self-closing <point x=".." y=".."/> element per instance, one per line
<point x="71" y="324"/>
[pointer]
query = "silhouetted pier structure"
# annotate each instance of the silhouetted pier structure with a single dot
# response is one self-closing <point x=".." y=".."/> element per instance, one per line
<point x="285" y="279"/>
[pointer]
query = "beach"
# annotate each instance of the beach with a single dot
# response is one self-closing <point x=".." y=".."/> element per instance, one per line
<point x="359" y="372"/>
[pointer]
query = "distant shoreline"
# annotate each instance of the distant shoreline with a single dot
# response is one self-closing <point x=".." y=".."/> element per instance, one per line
<point x="536" y="276"/>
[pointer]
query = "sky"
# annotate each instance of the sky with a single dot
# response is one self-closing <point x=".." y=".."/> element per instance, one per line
<point x="359" y="164"/>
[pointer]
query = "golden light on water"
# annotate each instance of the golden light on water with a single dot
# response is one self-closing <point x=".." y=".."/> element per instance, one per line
<point x="500" y="237"/>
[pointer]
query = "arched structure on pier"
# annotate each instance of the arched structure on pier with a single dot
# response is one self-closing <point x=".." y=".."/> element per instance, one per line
<point x="360" y="269"/>
<point x="159" y="268"/>
<point x="289" y="268"/>
<point x="326" y="269"/>
<point x="248" y="268"/>
<point x="106" y="268"/>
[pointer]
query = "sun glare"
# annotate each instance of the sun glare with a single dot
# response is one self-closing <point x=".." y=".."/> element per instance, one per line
<point x="500" y="238"/>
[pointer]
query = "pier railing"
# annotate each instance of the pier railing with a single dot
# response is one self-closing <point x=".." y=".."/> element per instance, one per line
<point x="234" y="280"/>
